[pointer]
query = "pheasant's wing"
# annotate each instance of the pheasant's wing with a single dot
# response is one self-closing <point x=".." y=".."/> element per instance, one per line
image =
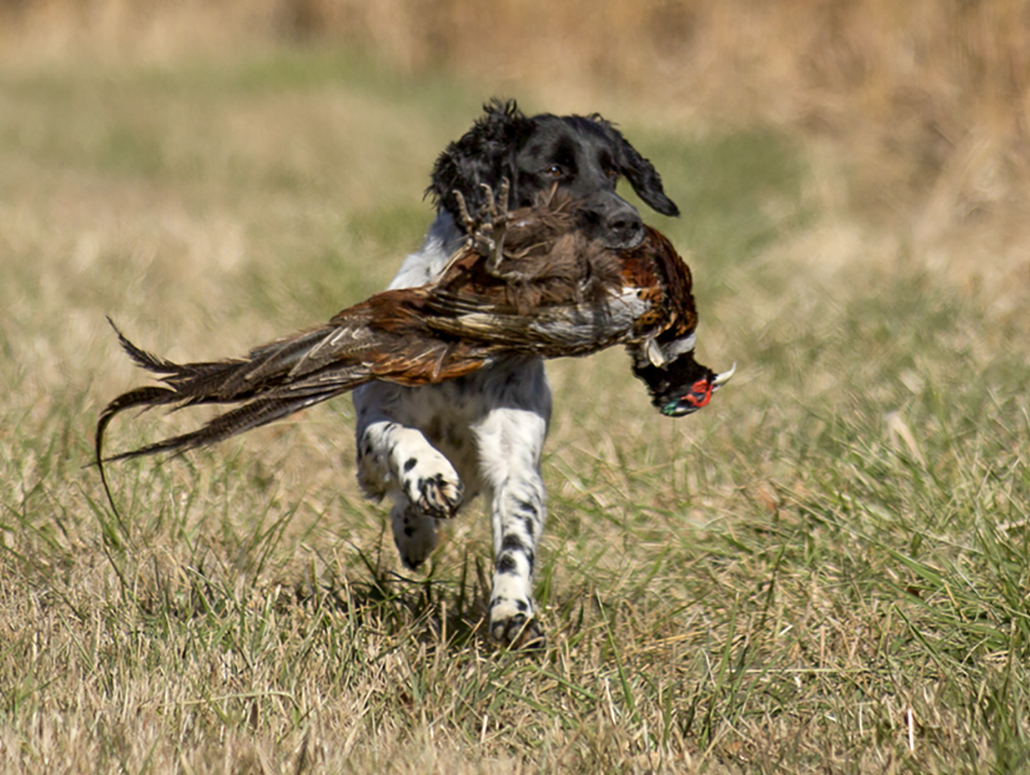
<point x="566" y="327"/>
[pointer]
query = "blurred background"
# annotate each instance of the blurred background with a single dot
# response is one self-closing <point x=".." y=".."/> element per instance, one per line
<point x="920" y="110"/>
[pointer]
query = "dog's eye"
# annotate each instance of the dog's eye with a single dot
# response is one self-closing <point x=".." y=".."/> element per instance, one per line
<point x="612" y="174"/>
<point x="554" y="171"/>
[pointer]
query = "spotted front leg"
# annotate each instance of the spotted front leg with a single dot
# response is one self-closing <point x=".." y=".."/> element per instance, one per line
<point x="397" y="459"/>
<point x="510" y="442"/>
<point x="518" y="512"/>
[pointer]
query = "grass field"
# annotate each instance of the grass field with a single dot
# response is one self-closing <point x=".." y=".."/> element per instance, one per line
<point x="825" y="571"/>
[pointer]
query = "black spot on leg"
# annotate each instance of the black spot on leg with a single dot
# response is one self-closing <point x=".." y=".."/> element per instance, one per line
<point x="522" y="605"/>
<point x="530" y="525"/>
<point x="509" y="545"/>
<point x="526" y="508"/>
<point x="409" y="464"/>
<point x="506" y="565"/>
<point x="512" y="543"/>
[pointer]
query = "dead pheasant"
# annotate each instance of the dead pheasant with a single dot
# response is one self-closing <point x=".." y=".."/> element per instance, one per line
<point x="529" y="282"/>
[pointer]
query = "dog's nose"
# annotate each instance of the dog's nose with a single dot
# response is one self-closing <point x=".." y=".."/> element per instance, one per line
<point x="613" y="220"/>
<point x="624" y="229"/>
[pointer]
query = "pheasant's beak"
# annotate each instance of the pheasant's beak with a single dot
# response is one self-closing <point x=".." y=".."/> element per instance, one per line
<point x="699" y="395"/>
<point x="722" y="379"/>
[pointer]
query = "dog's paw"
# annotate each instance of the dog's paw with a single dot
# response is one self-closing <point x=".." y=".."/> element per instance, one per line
<point x="431" y="484"/>
<point x="414" y="533"/>
<point x="518" y="632"/>
<point x="511" y="619"/>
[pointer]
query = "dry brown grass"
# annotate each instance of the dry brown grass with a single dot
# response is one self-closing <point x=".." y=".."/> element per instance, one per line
<point x="824" y="572"/>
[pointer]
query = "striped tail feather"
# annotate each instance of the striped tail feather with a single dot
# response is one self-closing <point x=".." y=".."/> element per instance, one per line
<point x="253" y="414"/>
<point x="273" y="381"/>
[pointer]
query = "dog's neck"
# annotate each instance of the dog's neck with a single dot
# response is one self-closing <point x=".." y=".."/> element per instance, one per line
<point x="442" y="240"/>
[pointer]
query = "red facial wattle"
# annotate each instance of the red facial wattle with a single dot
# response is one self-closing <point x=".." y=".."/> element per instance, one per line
<point x="698" y="397"/>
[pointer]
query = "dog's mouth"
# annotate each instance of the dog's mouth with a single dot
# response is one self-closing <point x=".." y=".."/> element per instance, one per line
<point x="623" y="241"/>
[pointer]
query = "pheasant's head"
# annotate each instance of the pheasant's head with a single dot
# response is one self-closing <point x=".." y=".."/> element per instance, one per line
<point x="698" y="396"/>
<point x="680" y="385"/>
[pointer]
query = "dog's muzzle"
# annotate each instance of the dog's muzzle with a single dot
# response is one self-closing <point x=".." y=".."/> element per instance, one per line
<point x="614" y="221"/>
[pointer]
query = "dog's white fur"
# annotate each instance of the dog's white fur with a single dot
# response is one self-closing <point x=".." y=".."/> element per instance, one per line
<point x="431" y="449"/>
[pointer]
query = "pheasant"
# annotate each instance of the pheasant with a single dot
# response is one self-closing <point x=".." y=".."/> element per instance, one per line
<point x="528" y="281"/>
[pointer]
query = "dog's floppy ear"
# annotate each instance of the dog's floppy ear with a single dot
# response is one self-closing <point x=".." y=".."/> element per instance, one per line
<point x="484" y="154"/>
<point x="640" y="173"/>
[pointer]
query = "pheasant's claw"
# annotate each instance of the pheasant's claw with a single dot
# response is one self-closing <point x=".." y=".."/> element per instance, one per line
<point x="496" y="207"/>
<point x="493" y="225"/>
<point x="463" y="211"/>
<point x="483" y="242"/>
<point x="480" y="230"/>
<point x="489" y="208"/>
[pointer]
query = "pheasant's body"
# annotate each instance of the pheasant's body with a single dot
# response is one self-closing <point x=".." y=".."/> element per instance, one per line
<point x="551" y="292"/>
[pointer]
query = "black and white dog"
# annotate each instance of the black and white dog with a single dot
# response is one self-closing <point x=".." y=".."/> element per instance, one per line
<point x="433" y="448"/>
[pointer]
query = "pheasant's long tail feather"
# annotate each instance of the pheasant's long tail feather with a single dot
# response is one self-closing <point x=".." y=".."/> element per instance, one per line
<point x="272" y="382"/>
<point x="253" y="414"/>
<point x="233" y="380"/>
<point x="145" y="397"/>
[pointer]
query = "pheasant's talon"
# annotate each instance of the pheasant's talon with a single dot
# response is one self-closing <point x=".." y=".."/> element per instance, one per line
<point x="502" y="197"/>
<point x="483" y="243"/>
<point x="494" y="214"/>
<point x="486" y="233"/>
<point x="463" y="212"/>
<point x="489" y="207"/>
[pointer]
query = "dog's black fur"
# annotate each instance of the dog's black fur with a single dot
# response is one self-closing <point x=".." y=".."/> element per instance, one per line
<point x="584" y="155"/>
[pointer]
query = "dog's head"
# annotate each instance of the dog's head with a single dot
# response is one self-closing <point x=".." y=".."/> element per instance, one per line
<point x="581" y="156"/>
